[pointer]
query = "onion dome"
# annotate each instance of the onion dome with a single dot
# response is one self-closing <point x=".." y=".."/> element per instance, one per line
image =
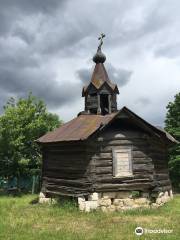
<point x="99" y="57"/>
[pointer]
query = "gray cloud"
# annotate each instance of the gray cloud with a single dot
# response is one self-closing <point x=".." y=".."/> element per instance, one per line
<point x="27" y="32"/>
<point x="33" y="6"/>
<point x="40" y="82"/>
<point x="144" y="101"/>
<point x="84" y="75"/>
<point x="12" y="11"/>
<point x="169" y="51"/>
<point x="119" y="75"/>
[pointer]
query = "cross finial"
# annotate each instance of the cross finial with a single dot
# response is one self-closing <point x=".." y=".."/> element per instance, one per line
<point x="101" y="40"/>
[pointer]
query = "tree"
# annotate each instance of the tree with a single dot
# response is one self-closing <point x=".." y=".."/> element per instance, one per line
<point x="172" y="125"/>
<point x="22" y="122"/>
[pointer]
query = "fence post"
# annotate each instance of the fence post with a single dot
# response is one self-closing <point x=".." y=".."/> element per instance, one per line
<point x="33" y="183"/>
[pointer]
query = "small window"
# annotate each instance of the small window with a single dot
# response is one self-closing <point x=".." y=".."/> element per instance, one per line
<point x="122" y="163"/>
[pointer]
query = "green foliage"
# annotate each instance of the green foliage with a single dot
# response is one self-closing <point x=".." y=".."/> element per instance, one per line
<point x="22" y="122"/>
<point x="172" y="123"/>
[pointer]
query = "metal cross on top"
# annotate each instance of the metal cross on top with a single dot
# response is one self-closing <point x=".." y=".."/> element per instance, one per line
<point x="101" y="40"/>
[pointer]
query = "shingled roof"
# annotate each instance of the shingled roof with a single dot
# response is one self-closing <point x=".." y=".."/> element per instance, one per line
<point x="83" y="126"/>
<point x="99" y="78"/>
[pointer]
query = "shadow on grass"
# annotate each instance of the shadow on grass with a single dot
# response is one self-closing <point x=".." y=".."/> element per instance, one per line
<point x="34" y="201"/>
<point x="67" y="203"/>
<point x="64" y="203"/>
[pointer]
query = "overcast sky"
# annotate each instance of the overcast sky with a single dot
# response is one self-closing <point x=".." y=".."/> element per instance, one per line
<point x="46" y="46"/>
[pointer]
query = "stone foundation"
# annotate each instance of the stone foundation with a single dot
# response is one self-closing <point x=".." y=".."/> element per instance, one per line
<point x="124" y="200"/>
<point x="44" y="199"/>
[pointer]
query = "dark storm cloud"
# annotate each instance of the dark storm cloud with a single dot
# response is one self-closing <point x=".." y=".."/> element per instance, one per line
<point x="116" y="75"/>
<point x="11" y="11"/>
<point x="24" y="37"/>
<point x="28" y="31"/>
<point x="68" y="39"/>
<point x="23" y="34"/>
<point x="33" y="6"/>
<point x="41" y="83"/>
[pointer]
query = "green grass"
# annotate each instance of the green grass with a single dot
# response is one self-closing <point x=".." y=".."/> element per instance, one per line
<point x="21" y="220"/>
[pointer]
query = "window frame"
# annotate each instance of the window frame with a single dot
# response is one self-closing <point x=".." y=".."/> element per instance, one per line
<point x="122" y="150"/>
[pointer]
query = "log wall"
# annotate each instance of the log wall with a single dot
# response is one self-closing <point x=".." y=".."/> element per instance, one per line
<point x="66" y="170"/>
<point x="149" y="161"/>
<point x="158" y="152"/>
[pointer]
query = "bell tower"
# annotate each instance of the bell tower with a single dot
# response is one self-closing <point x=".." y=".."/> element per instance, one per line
<point x="100" y="94"/>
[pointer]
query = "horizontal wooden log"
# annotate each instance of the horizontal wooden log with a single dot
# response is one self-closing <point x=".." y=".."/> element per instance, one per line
<point x="159" y="167"/>
<point x="109" y="149"/>
<point x="81" y="181"/>
<point x="66" y="156"/>
<point x="65" y="161"/>
<point x="61" y="165"/>
<point x="105" y="155"/>
<point x="122" y="180"/>
<point x="163" y="182"/>
<point x="92" y="106"/>
<point x="157" y="149"/>
<point x="65" y="146"/>
<point x="140" y="147"/>
<point x="162" y="171"/>
<point x="116" y="142"/>
<point x="108" y="145"/>
<point x="159" y="160"/>
<point x="54" y="194"/>
<point x="143" y="175"/>
<point x="139" y="154"/>
<point x="69" y="185"/>
<point x="70" y="175"/>
<point x="65" y="192"/>
<point x="103" y="163"/>
<point x="143" y="167"/>
<point x="142" y="160"/>
<point x="142" y="171"/>
<point x="157" y="155"/>
<point x="66" y="189"/>
<point x="103" y="170"/>
<point x="68" y="167"/>
<point x="161" y="176"/>
<point x="67" y="150"/>
<point x="138" y="180"/>
<point x="162" y="189"/>
<point x="72" y="169"/>
<point x="135" y="154"/>
<point x="137" y="186"/>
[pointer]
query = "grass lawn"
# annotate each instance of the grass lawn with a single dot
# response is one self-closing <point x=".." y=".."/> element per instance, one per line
<point x="21" y="220"/>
